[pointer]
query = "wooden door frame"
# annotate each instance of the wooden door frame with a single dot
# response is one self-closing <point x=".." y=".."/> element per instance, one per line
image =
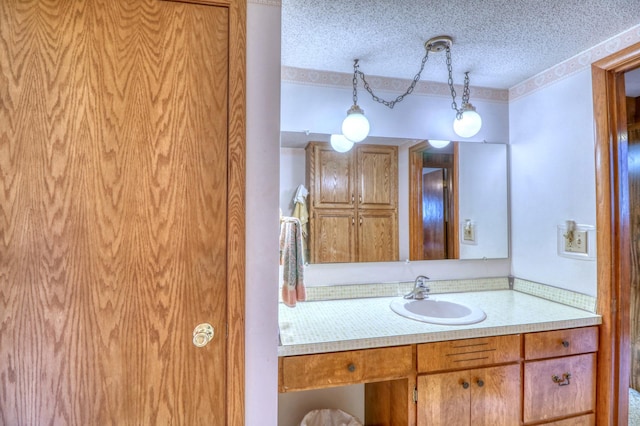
<point x="236" y="230"/>
<point x="613" y="237"/>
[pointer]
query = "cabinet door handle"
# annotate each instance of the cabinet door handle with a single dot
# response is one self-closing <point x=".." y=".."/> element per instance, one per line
<point x="480" y="383"/>
<point x="465" y="385"/>
<point x="353" y="199"/>
<point x="360" y="198"/>
<point x="565" y="343"/>
<point x="563" y="380"/>
<point x="351" y="367"/>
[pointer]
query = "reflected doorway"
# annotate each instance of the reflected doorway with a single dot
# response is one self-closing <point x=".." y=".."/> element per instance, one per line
<point x="433" y="221"/>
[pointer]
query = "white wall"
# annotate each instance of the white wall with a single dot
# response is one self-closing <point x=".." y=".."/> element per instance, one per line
<point x="263" y="146"/>
<point x="321" y="109"/>
<point x="483" y="200"/>
<point x="552" y="180"/>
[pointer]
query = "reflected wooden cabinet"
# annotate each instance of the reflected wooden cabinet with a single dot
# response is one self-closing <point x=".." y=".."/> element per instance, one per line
<point x="353" y="203"/>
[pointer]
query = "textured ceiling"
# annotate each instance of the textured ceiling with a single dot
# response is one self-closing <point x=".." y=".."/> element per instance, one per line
<point x="500" y="42"/>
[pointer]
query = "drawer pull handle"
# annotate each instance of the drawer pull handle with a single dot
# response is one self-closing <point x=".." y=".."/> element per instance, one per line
<point x="480" y="383"/>
<point x="351" y="367"/>
<point x="562" y="381"/>
<point x="565" y="343"/>
<point x="465" y="385"/>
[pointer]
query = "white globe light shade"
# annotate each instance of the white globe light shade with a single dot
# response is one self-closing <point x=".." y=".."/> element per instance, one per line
<point x="340" y="143"/>
<point x="355" y="126"/>
<point x="436" y="143"/>
<point x="469" y="125"/>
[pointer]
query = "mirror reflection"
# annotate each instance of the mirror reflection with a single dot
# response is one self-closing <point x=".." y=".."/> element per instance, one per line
<point x="394" y="199"/>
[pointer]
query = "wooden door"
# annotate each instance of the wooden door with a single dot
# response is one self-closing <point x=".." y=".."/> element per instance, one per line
<point x="444" y="399"/>
<point x="377" y="236"/>
<point x="377" y="173"/>
<point x="434" y="224"/>
<point x="120" y="227"/>
<point x="633" y="161"/>
<point x="495" y="396"/>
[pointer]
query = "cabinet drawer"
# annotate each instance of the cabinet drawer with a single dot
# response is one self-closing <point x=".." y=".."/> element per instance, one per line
<point x="549" y="344"/>
<point x="340" y="368"/>
<point x="468" y="353"/>
<point x="548" y="396"/>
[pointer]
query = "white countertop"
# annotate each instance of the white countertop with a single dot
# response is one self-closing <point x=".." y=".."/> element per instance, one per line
<point x="339" y="325"/>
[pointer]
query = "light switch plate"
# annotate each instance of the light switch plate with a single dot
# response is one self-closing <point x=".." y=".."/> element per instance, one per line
<point x="576" y="241"/>
<point x="578" y="245"/>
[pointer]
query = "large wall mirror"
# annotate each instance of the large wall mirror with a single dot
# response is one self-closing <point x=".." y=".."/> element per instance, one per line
<point x="452" y="202"/>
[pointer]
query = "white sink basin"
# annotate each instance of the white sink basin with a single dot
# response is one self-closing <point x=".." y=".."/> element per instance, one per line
<point x="437" y="311"/>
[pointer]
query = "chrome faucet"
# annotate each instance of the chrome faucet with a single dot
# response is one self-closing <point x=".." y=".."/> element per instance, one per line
<point x="420" y="289"/>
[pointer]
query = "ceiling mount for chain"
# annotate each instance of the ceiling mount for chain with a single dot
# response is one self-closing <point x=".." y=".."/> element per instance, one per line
<point x="438" y="44"/>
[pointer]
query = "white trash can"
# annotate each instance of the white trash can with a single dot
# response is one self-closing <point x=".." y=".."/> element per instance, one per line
<point x="329" y="417"/>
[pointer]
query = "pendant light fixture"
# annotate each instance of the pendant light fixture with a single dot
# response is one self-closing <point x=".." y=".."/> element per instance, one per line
<point x="356" y="126"/>
<point x="467" y="123"/>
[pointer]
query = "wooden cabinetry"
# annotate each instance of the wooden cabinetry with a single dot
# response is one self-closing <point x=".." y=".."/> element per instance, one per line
<point x="560" y="376"/>
<point x="353" y="203"/>
<point x="545" y="378"/>
<point x="469" y="396"/>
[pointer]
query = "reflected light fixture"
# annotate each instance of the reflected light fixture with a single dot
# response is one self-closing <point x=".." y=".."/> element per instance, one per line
<point x="340" y="143"/>
<point x="356" y="126"/>
<point x="437" y="143"/>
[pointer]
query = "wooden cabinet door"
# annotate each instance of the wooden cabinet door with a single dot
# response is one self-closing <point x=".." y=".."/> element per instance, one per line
<point x="332" y="176"/>
<point x="572" y="391"/>
<point x="377" y="176"/>
<point x="333" y="236"/>
<point x="122" y="176"/>
<point x="495" y="396"/>
<point x="444" y="399"/>
<point x="377" y="236"/>
<point x="484" y="396"/>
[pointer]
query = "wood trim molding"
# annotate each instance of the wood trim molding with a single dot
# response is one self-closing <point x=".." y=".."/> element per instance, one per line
<point x="416" y="250"/>
<point x="613" y="238"/>
<point x="236" y="228"/>
<point x="454" y="237"/>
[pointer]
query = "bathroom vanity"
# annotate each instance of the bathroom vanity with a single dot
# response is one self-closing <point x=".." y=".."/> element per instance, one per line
<point x="530" y="362"/>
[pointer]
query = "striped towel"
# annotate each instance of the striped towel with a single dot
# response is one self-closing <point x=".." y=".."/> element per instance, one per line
<point x="292" y="260"/>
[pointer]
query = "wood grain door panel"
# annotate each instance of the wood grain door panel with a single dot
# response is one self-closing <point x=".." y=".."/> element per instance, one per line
<point x="495" y="396"/>
<point x="546" y="398"/>
<point x="377" y="236"/>
<point x="377" y="176"/>
<point x="113" y="183"/>
<point x="444" y="399"/>
<point x="433" y="215"/>
<point x="334" y="236"/>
